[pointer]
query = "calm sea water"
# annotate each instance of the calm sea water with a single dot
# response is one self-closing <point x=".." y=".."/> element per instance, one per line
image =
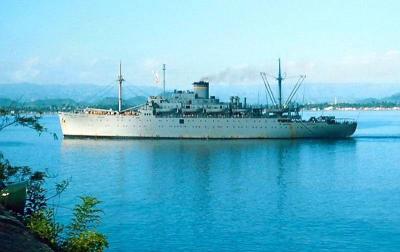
<point x="240" y="195"/>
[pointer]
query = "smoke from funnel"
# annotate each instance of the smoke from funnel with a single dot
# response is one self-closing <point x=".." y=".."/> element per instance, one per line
<point x="234" y="75"/>
<point x="251" y="74"/>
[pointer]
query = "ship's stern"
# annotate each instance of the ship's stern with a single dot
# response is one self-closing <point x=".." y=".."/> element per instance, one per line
<point x="347" y="127"/>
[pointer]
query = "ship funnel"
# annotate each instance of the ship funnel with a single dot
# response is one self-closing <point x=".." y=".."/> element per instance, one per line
<point x="201" y="89"/>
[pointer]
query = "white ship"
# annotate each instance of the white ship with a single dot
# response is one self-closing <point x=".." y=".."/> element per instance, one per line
<point x="195" y="114"/>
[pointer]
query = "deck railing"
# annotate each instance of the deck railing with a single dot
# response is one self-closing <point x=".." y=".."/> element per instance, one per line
<point x="345" y="120"/>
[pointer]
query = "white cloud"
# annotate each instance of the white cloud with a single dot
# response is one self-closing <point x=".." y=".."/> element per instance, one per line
<point x="372" y="67"/>
<point x="28" y="70"/>
<point x="234" y="74"/>
<point x="151" y="64"/>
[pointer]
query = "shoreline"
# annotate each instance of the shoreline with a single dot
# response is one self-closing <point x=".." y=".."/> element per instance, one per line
<point x="354" y="109"/>
<point x="350" y="109"/>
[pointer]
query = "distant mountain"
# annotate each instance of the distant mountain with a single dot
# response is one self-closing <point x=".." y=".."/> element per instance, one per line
<point x="308" y="93"/>
<point x="69" y="104"/>
<point x="112" y="102"/>
<point x="135" y="101"/>
<point x="25" y="92"/>
<point x="51" y="102"/>
<point x="5" y="102"/>
<point x="395" y="98"/>
<point x="40" y="105"/>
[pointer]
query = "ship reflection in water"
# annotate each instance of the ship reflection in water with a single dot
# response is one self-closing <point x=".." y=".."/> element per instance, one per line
<point x="236" y="194"/>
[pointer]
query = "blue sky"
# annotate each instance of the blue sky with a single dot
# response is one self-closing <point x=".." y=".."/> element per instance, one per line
<point x="71" y="42"/>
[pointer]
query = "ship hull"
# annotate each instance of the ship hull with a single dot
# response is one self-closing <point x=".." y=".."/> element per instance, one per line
<point x="148" y="126"/>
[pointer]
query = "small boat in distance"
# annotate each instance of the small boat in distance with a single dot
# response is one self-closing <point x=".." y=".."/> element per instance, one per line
<point x="196" y="114"/>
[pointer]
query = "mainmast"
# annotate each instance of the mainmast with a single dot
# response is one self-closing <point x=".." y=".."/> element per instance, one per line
<point x="120" y="80"/>
<point x="280" y="84"/>
<point x="279" y="78"/>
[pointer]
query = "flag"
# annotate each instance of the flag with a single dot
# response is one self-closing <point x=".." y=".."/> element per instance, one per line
<point x="156" y="77"/>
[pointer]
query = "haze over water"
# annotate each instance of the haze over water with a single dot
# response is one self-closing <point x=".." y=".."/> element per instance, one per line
<point x="223" y="195"/>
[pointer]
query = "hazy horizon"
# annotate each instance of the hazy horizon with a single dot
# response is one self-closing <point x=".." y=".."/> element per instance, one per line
<point x="255" y="92"/>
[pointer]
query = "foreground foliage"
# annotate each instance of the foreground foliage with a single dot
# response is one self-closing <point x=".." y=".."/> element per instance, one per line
<point x="43" y="225"/>
<point x="81" y="233"/>
<point x="38" y="216"/>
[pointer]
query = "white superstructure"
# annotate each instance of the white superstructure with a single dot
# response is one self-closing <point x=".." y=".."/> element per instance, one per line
<point x="194" y="114"/>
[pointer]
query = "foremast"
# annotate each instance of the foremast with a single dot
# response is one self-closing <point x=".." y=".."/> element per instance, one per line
<point x="120" y="80"/>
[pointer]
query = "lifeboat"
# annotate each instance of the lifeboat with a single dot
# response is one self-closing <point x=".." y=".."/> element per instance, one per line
<point x="214" y="110"/>
<point x="190" y="110"/>
<point x="165" y="110"/>
<point x="239" y="111"/>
